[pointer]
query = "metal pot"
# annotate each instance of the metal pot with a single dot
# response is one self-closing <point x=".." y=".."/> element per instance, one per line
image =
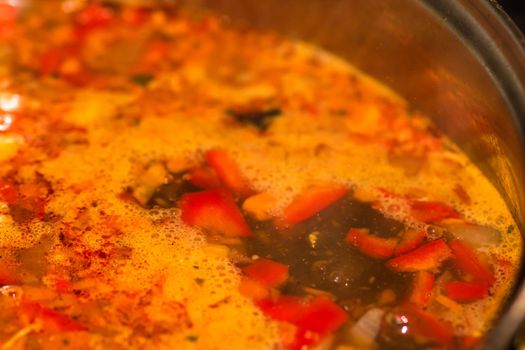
<point x="462" y="62"/>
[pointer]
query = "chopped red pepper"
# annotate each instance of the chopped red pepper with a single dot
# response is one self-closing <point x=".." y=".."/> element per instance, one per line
<point x="268" y="272"/>
<point x="310" y="202"/>
<point x="465" y="292"/>
<point x="52" y="321"/>
<point x="228" y="172"/>
<point x="319" y="316"/>
<point x="469" y="264"/>
<point x="422" y="288"/>
<point x="214" y="210"/>
<point x="410" y="240"/>
<point x="427" y="257"/>
<point x="429" y="212"/>
<point x="204" y="177"/>
<point x="424" y="324"/>
<point x="370" y="245"/>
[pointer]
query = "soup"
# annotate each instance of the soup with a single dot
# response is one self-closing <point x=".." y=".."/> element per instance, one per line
<point x="176" y="182"/>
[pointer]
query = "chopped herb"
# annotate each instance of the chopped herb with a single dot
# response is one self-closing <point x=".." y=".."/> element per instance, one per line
<point x="510" y="229"/>
<point x="192" y="338"/>
<point x="200" y="281"/>
<point x="142" y="79"/>
<point x="65" y="341"/>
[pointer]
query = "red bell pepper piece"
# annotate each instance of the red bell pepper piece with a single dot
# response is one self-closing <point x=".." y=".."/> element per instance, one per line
<point x="370" y="245"/>
<point x="228" y="172"/>
<point x="422" y="288"/>
<point x="310" y="202"/>
<point x="410" y="240"/>
<point x="427" y="257"/>
<point x="268" y="272"/>
<point x="204" y="177"/>
<point x="284" y="308"/>
<point x="213" y="210"/>
<point x="52" y="320"/>
<point x="465" y="292"/>
<point x="320" y="315"/>
<point x="314" y="318"/>
<point x="429" y="212"/>
<point x="426" y="325"/>
<point x="468" y="263"/>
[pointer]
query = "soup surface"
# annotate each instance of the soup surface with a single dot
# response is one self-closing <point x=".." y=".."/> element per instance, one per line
<point x="172" y="182"/>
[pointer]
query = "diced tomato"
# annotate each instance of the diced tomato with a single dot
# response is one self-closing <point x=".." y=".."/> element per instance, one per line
<point x="428" y="257"/>
<point x="422" y="288"/>
<point x="469" y="264"/>
<point x="410" y="240"/>
<point x="253" y="289"/>
<point x="228" y="171"/>
<point x="204" y="177"/>
<point x="465" y="292"/>
<point x="319" y="315"/>
<point x="424" y="324"/>
<point x="370" y="245"/>
<point x="310" y="202"/>
<point x="214" y="210"/>
<point x="8" y="192"/>
<point x="267" y="272"/>
<point x="429" y="212"/>
<point x="52" y="321"/>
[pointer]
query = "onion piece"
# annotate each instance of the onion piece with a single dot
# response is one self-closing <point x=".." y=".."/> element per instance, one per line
<point x="366" y="329"/>
<point x="474" y="235"/>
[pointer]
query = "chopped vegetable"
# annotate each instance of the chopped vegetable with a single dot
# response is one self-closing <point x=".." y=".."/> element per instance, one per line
<point x="472" y="234"/>
<point x="213" y="210"/>
<point x="310" y="202"/>
<point x="228" y="172"/>
<point x="253" y="289"/>
<point x="410" y="240"/>
<point x="370" y="245"/>
<point x="422" y="288"/>
<point x="428" y="257"/>
<point x="465" y="292"/>
<point x="469" y="264"/>
<point x="366" y="329"/>
<point x="429" y="212"/>
<point x="267" y="272"/>
<point x="424" y="324"/>
<point x="260" y="205"/>
<point x="204" y="177"/>
<point x="320" y="315"/>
